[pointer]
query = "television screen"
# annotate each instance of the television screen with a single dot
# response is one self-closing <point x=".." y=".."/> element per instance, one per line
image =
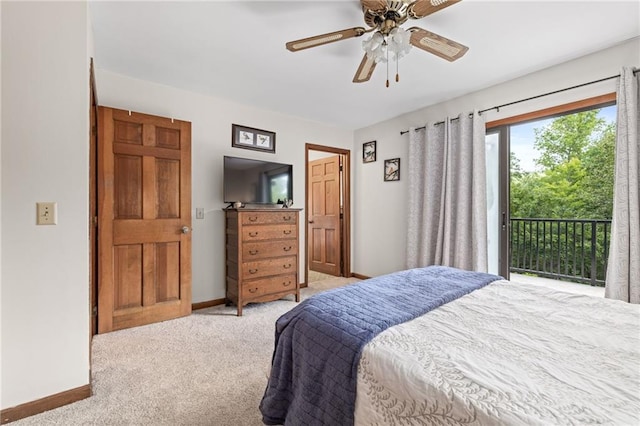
<point x="256" y="181"/>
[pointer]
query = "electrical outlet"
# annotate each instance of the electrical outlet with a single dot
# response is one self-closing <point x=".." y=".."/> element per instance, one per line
<point x="199" y="213"/>
<point x="47" y="213"/>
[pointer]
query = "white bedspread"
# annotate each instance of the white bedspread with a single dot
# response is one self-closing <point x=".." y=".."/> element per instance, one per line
<point x="507" y="354"/>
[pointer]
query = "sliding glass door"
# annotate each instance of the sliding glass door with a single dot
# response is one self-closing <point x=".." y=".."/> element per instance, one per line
<point x="549" y="191"/>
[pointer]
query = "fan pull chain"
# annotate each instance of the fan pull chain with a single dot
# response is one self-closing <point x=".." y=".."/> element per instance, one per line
<point x="397" y="70"/>
<point x="387" y="63"/>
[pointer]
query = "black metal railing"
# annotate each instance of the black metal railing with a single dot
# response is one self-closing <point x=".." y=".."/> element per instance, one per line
<point x="566" y="249"/>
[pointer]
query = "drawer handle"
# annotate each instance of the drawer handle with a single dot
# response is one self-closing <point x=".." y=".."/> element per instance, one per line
<point x="286" y="248"/>
<point x="253" y="234"/>
<point x="253" y="271"/>
<point x="253" y="218"/>
<point x="287" y="232"/>
<point x="286" y="218"/>
<point x="285" y="284"/>
<point x="253" y="290"/>
<point x="286" y="266"/>
<point x="253" y="252"/>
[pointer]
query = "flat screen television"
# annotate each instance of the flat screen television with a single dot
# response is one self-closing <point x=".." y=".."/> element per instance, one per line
<point x="257" y="181"/>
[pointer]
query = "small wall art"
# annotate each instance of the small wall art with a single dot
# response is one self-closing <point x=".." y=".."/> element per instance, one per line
<point x="369" y="152"/>
<point x="250" y="138"/>
<point x="392" y="169"/>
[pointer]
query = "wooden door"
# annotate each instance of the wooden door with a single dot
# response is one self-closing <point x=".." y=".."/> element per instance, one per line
<point x="144" y="219"/>
<point x="324" y="215"/>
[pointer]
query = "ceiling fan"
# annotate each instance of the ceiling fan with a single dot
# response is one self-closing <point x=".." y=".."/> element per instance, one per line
<point x="390" y="41"/>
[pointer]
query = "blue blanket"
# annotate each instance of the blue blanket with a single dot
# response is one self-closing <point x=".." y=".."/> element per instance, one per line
<point x="319" y="342"/>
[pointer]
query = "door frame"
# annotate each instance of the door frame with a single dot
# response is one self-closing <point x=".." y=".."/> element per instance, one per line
<point x="93" y="205"/>
<point x="345" y="186"/>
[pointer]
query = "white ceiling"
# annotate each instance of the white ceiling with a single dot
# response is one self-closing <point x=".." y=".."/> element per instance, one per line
<point x="236" y="50"/>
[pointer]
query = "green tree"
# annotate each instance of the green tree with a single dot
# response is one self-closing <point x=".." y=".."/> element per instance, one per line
<point x="525" y="195"/>
<point x="576" y="170"/>
<point x="567" y="137"/>
<point x="561" y="190"/>
<point x="599" y="166"/>
<point x="516" y="169"/>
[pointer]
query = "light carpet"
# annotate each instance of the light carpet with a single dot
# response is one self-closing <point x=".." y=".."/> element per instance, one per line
<point x="209" y="368"/>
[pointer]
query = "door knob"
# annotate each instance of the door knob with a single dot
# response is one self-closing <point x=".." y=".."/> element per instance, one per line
<point x="185" y="229"/>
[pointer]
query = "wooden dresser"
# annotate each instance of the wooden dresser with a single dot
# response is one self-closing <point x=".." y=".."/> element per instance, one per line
<point x="262" y="255"/>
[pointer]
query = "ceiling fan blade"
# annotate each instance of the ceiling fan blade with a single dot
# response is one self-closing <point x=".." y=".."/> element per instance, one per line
<point x="436" y="44"/>
<point x="421" y="8"/>
<point x="319" y="40"/>
<point x="364" y="70"/>
<point x="374" y="5"/>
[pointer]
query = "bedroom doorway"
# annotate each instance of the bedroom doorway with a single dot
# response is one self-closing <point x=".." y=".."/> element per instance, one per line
<point x="327" y="213"/>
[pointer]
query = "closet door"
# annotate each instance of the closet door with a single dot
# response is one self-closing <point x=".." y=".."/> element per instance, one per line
<point x="144" y="219"/>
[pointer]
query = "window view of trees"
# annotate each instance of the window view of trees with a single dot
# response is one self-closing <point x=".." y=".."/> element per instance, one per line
<point x="574" y="179"/>
<point x="561" y="203"/>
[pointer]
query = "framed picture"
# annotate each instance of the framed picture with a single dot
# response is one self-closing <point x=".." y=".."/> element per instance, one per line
<point x="392" y="169"/>
<point x="250" y="138"/>
<point x="369" y="152"/>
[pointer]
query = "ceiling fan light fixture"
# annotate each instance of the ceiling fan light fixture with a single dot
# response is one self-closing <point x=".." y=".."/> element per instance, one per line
<point x="373" y="46"/>
<point x="399" y="42"/>
<point x="395" y="45"/>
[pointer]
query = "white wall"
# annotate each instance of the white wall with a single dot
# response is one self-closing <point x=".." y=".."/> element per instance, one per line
<point x="379" y="207"/>
<point x="45" y="134"/>
<point x="211" y="120"/>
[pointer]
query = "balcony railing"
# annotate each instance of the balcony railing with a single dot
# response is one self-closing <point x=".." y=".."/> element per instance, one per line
<point x="567" y="249"/>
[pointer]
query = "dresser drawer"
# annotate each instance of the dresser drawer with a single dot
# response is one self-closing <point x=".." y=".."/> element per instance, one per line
<point x="255" y="288"/>
<point x="260" y="218"/>
<point x="266" y="267"/>
<point x="264" y="249"/>
<point x="269" y="232"/>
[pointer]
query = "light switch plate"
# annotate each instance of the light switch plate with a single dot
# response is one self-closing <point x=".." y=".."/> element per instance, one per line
<point x="47" y="213"/>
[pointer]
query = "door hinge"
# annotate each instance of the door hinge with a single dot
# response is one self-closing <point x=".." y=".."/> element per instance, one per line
<point x="95" y="221"/>
<point x="94" y="311"/>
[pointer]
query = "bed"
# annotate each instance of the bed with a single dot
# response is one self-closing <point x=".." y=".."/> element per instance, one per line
<point x="440" y="346"/>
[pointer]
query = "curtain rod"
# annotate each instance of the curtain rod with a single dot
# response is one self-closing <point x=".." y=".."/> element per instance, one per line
<point x="497" y="108"/>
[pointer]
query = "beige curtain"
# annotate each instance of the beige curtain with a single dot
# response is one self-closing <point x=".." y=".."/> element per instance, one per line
<point x="447" y="213"/>
<point x="623" y="270"/>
